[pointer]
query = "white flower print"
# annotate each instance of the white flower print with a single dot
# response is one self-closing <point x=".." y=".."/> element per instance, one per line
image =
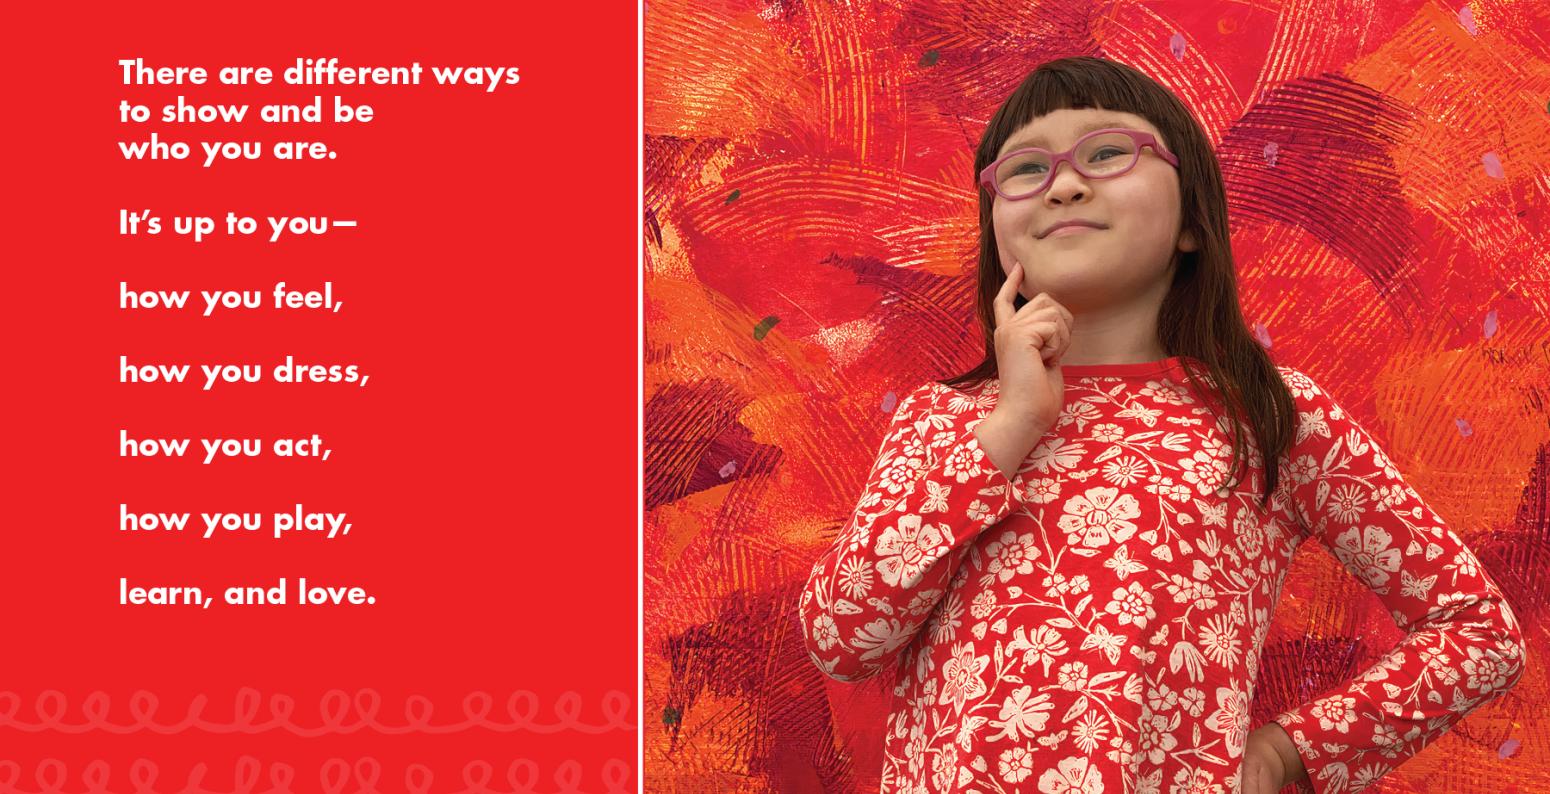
<point x="1219" y="640"/>
<point x="1132" y="604"/>
<point x="1023" y="715"/>
<point x="1161" y="698"/>
<point x="1165" y="393"/>
<point x="1042" y="645"/>
<point x="1199" y="595"/>
<point x="1487" y="672"/>
<point x="1149" y="783"/>
<point x="1448" y="676"/>
<point x="1058" y="454"/>
<point x="1169" y="489"/>
<point x="1124" y="470"/>
<point x="959" y="402"/>
<point x="1099" y="516"/>
<point x="1387" y="496"/>
<point x="1193" y="700"/>
<point x="1011" y="554"/>
<point x="1058" y="584"/>
<point x="1303" y="470"/>
<point x="1231" y="718"/>
<point x="1298" y="382"/>
<point x="946" y="620"/>
<point x="964" y="462"/>
<point x="1217" y="446"/>
<point x="1380" y="670"/>
<point x="1347" y="503"/>
<point x="1072" y="775"/>
<point x="825" y="631"/>
<point x="984" y="603"/>
<point x="979" y="511"/>
<point x="1249" y="533"/>
<point x="1335" y="712"/>
<point x="1367" y="554"/>
<point x="1387" y="739"/>
<point x="1121" y="751"/>
<point x="901" y="473"/>
<point x="1205" y="471"/>
<point x="863" y="536"/>
<point x="961" y="674"/>
<point x="920" y="707"/>
<point x="1072" y="675"/>
<point x="1108" y="432"/>
<point x="1194" y="781"/>
<point x="924" y="601"/>
<point x="1157" y="736"/>
<point x="944" y="767"/>
<point x="1015" y="764"/>
<point x="1434" y="659"/>
<point x="1367" y="775"/>
<point x="1081" y="412"/>
<point x="916" y="749"/>
<point x="907" y="549"/>
<point x="1089" y="731"/>
<point x="881" y="637"/>
<point x="854" y="577"/>
<point x="1465" y="563"/>
<point x="1043" y="490"/>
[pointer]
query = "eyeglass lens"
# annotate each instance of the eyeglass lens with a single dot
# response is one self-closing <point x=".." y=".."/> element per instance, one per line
<point x="1102" y="155"/>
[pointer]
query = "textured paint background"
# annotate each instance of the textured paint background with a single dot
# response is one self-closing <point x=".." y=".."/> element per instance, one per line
<point x="809" y="242"/>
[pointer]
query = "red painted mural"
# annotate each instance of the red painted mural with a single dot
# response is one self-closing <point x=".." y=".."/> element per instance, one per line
<point x="810" y="238"/>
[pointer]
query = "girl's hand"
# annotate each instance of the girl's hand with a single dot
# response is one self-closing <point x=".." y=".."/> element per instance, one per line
<point x="1265" y="771"/>
<point x="1029" y="344"/>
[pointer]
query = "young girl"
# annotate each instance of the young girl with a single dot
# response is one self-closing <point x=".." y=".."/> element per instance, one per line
<point x="1071" y="554"/>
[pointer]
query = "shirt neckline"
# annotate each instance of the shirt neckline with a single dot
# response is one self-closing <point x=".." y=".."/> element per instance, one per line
<point x="1136" y="369"/>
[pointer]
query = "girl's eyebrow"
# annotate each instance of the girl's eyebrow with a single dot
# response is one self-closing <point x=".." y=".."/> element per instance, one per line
<point x="1040" y="140"/>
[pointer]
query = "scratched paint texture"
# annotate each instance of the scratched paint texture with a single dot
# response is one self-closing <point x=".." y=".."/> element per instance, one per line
<point x="809" y="243"/>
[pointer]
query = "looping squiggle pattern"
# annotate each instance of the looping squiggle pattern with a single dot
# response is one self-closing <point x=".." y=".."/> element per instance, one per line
<point x="340" y="713"/>
<point x="335" y="776"/>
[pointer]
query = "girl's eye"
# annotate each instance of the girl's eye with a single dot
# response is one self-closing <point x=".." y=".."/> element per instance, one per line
<point x="1099" y="154"/>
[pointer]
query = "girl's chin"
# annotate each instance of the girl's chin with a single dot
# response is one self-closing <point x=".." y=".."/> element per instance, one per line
<point x="1067" y="264"/>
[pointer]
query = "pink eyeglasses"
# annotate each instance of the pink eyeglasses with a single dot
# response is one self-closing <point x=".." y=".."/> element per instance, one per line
<point x="1100" y="154"/>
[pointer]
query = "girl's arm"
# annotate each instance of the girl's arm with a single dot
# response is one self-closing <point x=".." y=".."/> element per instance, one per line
<point x="931" y="491"/>
<point x="1463" y="646"/>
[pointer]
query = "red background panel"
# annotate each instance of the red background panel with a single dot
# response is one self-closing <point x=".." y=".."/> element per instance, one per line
<point x="487" y="468"/>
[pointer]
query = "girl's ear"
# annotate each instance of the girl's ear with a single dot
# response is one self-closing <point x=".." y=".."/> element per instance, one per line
<point x="1187" y="241"/>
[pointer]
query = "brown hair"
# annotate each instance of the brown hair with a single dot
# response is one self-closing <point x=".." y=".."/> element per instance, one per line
<point x="1200" y="317"/>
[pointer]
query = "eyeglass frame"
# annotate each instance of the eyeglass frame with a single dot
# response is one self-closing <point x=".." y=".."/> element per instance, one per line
<point x="1142" y="139"/>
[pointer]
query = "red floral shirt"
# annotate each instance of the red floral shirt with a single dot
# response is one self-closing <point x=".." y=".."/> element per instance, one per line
<point x="1094" y="624"/>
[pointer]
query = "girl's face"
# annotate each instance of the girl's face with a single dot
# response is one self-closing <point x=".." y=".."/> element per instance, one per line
<point x="1139" y="212"/>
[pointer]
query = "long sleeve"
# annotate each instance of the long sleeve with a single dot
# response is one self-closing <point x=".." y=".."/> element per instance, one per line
<point x="1463" y="646"/>
<point x="931" y="491"/>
